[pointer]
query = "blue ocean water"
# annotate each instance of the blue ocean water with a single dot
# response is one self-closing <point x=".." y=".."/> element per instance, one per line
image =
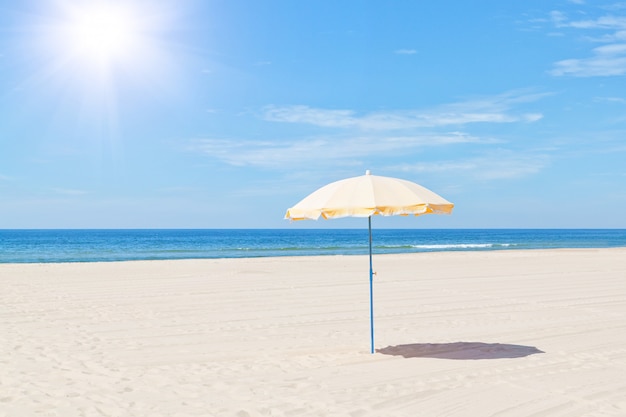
<point x="22" y="246"/>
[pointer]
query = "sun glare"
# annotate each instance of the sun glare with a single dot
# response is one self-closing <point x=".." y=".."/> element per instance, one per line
<point x="102" y="34"/>
<point x="98" y="52"/>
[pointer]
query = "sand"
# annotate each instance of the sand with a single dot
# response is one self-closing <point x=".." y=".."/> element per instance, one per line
<point x="508" y="333"/>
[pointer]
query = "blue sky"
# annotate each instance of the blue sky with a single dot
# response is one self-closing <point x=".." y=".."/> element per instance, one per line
<point x="211" y="114"/>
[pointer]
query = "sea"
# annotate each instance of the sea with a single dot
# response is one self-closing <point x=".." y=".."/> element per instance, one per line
<point x="105" y="245"/>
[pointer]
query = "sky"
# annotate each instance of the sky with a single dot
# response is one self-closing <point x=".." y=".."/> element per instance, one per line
<point x="224" y="113"/>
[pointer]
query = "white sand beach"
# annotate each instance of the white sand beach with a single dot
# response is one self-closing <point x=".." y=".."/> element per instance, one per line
<point x="500" y="333"/>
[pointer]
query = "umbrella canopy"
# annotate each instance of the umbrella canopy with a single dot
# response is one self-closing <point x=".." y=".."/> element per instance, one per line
<point x="365" y="196"/>
<point x="369" y="195"/>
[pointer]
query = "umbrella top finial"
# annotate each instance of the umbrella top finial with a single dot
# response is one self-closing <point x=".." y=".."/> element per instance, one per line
<point x="368" y="172"/>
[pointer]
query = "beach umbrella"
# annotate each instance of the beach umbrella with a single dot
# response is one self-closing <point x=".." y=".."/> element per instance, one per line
<point x="366" y="196"/>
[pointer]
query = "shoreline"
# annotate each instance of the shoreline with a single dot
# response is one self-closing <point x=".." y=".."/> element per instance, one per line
<point x="512" y="333"/>
<point x="329" y="255"/>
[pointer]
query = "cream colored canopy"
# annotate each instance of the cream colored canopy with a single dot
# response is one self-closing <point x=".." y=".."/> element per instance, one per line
<point x="369" y="195"/>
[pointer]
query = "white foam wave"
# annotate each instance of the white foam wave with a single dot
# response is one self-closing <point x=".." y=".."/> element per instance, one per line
<point x="456" y="246"/>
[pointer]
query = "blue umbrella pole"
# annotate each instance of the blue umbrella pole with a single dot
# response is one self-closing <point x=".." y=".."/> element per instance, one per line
<point x="371" y="290"/>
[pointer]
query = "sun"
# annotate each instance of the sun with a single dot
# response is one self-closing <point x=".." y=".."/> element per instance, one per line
<point x="83" y="39"/>
<point x="98" y="56"/>
<point x="102" y="34"/>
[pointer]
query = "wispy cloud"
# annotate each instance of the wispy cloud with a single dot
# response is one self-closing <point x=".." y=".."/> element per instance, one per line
<point x="616" y="37"/>
<point x="614" y="6"/>
<point x="619" y="100"/>
<point x="310" y="115"/>
<point x="321" y="150"/>
<point x="559" y="19"/>
<point x="603" y="22"/>
<point x="497" y="165"/>
<point x="355" y="138"/>
<point x="405" y="51"/>
<point x="607" y="60"/>
<point x="496" y="109"/>
<point x="610" y="22"/>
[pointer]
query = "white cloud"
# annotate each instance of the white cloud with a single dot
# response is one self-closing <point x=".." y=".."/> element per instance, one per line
<point x="356" y="138"/>
<point x="561" y="20"/>
<point x="614" y="6"/>
<point x="608" y="60"/>
<point x="309" y="115"/>
<point x="610" y="99"/>
<point x="495" y="166"/>
<point x="615" y="49"/>
<point x="405" y="51"/>
<point x="487" y="110"/>
<point x="558" y="18"/>
<point x="604" y="22"/>
<point x="322" y="150"/>
<point x="616" y="37"/>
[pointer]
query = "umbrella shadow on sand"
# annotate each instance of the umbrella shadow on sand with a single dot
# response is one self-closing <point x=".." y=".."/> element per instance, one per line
<point x="460" y="350"/>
